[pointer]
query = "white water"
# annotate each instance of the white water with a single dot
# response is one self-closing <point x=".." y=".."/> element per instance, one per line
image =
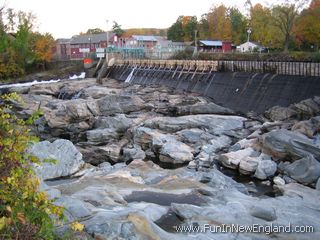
<point x="130" y="76"/>
<point x="36" y="82"/>
<point x="81" y="76"/>
<point x="26" y="84"/>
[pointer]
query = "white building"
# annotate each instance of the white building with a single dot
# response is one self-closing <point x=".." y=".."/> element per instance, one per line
<point x="251" y="47"/>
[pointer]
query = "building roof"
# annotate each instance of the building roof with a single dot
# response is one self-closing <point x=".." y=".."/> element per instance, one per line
<point x="179" y="44"/>
<point x="93" y="38"/>
<point x="253" y="43"/>
<point x="211" y="43"/>
<point x="63" y="40"/>
<point x="144" y="38"/>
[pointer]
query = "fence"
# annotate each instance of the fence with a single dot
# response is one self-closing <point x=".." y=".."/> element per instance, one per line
<point x="283" y="68"/>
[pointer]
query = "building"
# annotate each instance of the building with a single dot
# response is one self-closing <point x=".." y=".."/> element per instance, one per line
<point x="214" y="46"/>
<point x="141" y="41"/>
<point x="79" y="46"/>
<point x="62" y="49"/>
<point x="251" y="47"/>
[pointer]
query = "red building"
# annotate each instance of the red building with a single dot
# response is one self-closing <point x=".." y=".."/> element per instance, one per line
<point x="214" y="46"/>
<point x="80" y="46"/>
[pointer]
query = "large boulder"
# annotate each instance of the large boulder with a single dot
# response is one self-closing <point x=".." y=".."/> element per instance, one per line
<point x="283" y="143"/>
<point x="97" y="92"/>
<point x="309" y="127"/>
<point x="176" y="152"/>
<point x="233" y="159"/>
<point x="305" y="170"/>
<point x="133" y="153"/>
<point x="203" y="108"/>
<point x="265" y="169"/>
<point x="111" y="152"/>
<point x="60" y="114"/>
<point x="119" y="122"/>
<point x="112" y="104"/>
<point x="302" y="110"/>
<point x="195" y="135"/>
<point x="66" y="159"/>
<point x="216" y="124"/>
<point x="249" y="165"/>
<point x="100" y="136"/>
<point x="278" y="113"/>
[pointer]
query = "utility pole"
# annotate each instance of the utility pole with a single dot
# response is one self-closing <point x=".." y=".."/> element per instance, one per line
<point x="107" y="55"/>
<point x="195" y="50"/>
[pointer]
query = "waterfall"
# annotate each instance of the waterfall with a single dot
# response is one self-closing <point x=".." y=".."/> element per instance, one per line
<point x="130" y="76"/>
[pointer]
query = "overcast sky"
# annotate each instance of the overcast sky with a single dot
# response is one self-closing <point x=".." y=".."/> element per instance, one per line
<point x="64" y="18"/>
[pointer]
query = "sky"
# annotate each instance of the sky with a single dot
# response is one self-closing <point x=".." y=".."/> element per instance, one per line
<point x="65" y="18"/>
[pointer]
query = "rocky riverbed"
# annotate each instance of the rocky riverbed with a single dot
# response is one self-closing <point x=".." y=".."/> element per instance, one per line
<point x="140" y="162"/>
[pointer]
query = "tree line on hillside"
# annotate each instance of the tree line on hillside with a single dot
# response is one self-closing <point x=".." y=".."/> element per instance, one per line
<point x="126" y="33"/>
<point x="20" y="46"/>
<point x="293" y="24"/>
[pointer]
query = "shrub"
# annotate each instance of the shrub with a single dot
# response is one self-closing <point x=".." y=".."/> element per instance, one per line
<point x="10" y="70"/>
<point x="25" y="212"/>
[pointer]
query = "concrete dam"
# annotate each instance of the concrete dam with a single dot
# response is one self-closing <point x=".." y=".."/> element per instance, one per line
<point x="245" y="88"/>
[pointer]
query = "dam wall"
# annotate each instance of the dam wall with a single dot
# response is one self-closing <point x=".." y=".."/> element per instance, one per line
<point x="241" y="91"/>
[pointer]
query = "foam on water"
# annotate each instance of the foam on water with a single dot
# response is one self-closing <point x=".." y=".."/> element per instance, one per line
<point x="26" y="84"/>
<point x="81" y="76"/>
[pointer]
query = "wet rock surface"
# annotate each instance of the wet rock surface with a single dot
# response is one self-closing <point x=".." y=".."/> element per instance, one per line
<point x="132" y="158"/>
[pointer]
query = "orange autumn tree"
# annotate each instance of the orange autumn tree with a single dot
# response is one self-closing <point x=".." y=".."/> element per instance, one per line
<point x="42" y="47"/>
<point x="308" y="25"/>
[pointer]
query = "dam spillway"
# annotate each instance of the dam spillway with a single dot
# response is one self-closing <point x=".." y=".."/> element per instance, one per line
<point x="239" y="90"/>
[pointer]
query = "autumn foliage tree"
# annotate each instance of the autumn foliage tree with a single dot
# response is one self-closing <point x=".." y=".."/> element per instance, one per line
<point x="308" y="25"/>
<point x="20" y="46"/>
<point x="183" y="29"/>
<point x="42" y="47"/>
<point x="219" y="23"/>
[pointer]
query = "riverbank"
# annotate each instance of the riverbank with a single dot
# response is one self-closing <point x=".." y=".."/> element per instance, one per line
<point x="56" y="70"/>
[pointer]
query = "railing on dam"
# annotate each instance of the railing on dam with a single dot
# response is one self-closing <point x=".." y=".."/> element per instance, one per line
<point x="280" y="68"/>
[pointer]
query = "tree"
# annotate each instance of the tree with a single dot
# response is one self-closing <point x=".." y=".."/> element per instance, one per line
<point x="175" y="31"/>
<point x="263" y="29"/>
<point x="284" y="17"/>
<point x="42" y="45"/>
<point x="238" y="26"/>
<point x="117" y="29"/>
<point x="203" y="27"/>
<point x="219" y="23"/>
<point x="308" y="25"/>
<point x="183" y="29"/>
<point x="94" y="31"/>
<point x="189" y="26"/>
<point x="15" y="49"/>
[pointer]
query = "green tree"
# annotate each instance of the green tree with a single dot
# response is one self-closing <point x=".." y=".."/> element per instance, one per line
<point x="175" y="31"/>
<point x="94" y="31"/>
<point x="203" y="27"/>
<point x="238" y="26"/>
<point x="263" y="29"/>
<point x="116" y="28"/>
